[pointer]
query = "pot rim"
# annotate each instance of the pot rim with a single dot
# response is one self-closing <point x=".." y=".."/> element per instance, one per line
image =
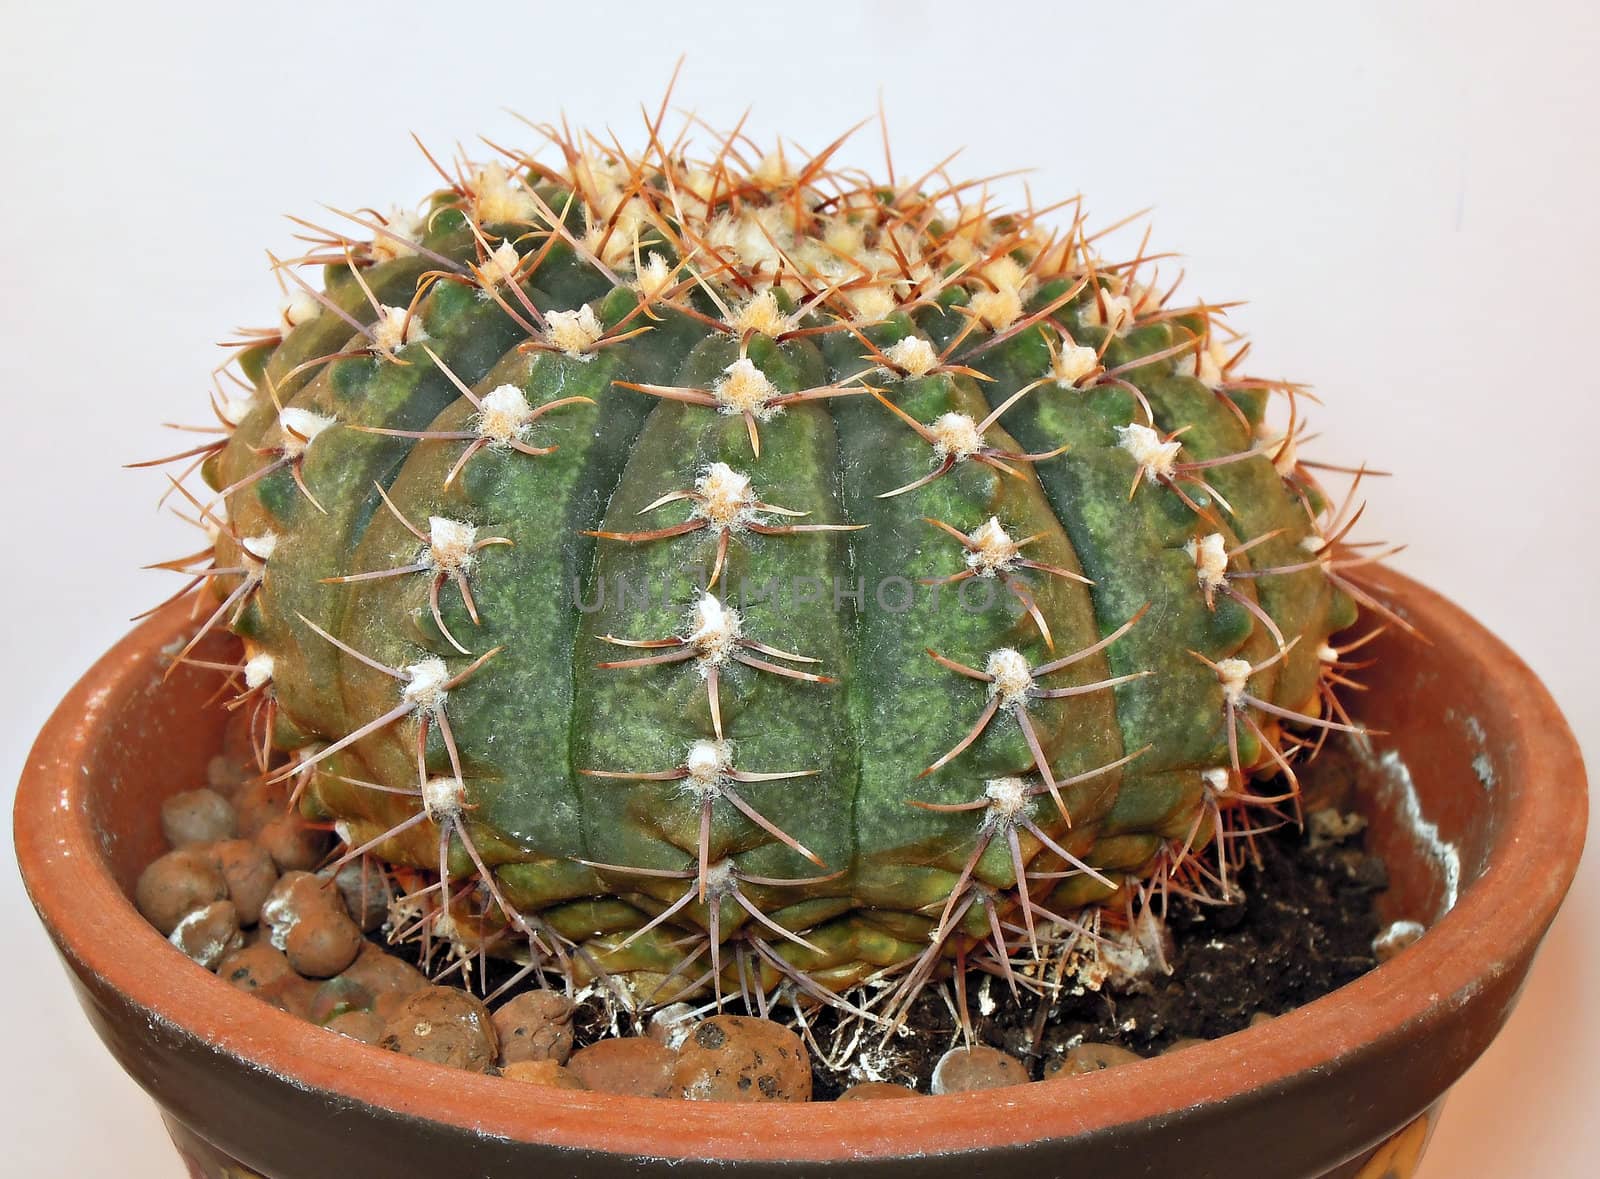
<point x="1534" y="856"/>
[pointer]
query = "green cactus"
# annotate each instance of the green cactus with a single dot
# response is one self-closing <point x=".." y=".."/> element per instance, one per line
<point x="717" y="573"/>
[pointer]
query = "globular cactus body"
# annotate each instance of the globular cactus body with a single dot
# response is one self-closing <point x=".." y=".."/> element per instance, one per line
<point x="713" y="570"/>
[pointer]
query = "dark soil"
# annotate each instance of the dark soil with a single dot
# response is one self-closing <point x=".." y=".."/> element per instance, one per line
<point x="1303" y="926"/>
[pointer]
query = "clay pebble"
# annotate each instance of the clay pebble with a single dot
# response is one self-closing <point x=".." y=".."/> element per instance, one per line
<point x="264" y="971"/>
<point x="248" y="872"/>
<point x="298" y="892"/>
<point x="365" y="893"/>
<point x="965" y="1070"/>
<point x="175" y="885"/>
<point x="197" y="816"/>
<point x="738" y="1058"/>
<point x="383" y="974"/>
<point x="634" y="1065"/>
<point x="254" y="968"/>
<point x="671" y="1024"/>
<point x="339" y="996"/>
<point x="1090" y="1057"/>
<point x="322" y="943"/>
<point x="536" y="1025"/>
<point x="293" y="845"/>
<point x="358" y="1025"/>
<point x="876" y="1091"/>
<point x="542" y="1072"/>
<point x="309" y="923"/>
<point x="210" y="934"/>
<point x="443" y="1025"/>
<point x="225" y="775"/>
<point x="257" y="802"/>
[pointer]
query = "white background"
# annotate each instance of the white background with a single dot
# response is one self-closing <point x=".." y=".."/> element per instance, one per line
<point x="1406" y="193"/>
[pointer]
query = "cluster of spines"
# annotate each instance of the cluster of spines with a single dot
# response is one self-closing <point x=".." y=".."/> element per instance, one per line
<point x="780" y="258"/>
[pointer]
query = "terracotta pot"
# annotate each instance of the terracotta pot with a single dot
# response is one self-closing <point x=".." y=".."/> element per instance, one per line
<point x="1340" y="1087"/>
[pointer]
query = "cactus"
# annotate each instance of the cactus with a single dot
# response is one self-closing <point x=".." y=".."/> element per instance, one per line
<point x="714" y="574"/>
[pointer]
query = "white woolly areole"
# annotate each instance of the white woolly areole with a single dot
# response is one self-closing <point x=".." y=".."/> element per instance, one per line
<point x="1159" y="459"/>
<point x="1287" y="456"/>
<point x="450" y="543"/>
<point x="725" y="496"/>
<point x="699" y="185"/>
<point x="599" y="179"/>
<point x="760" y="314"/>
<point x="258" y="670"/>
<point x="573" y="332"/>
<point x="401" y="223"/>
<point x="992" y="549"/>
<point x="1328" y="654"/>
<point x="1073" y="363"/>
<point x="443" y="798"/>
<point x="500" y="267"/>
<point x="1145" y="300"/>
<point x="654" y="276"/>
<point x="425" y="683"/>
<point x="233" y="409"/>
<point x="707" y="762"/>
<point x="393" y="329"/>
<point x="997" y="309"/>
<point x="774" y="170"/>
<point x="955" y="435"/>
<point x="1109" y="310"/>
<point x="505" y="414"/>
<point x="969" y="236"/>
<point x="1008" y="800"/>
<point x="307" y="752"/>
<point x="498" y="197"/>
<point x="1217" y="780"/>
<point x="1205" y="365"/>
<point x="298" y="307"/>
<point x="720" y="880"/>
<point x="844" y="236"/>
<point x="913" y="355"/>
<point x="713" y="629"/>
<point x="1012" y="676"/>
<point x="756" y="237"/>
<point x="300" y="428"/>
<point x="613" y="237"/>
<point x="1233" y="675"/>
<point x="1210" y="557"/>
<point x="1007" y="274"/>
<point x="746" y="389"/>
<point x="262" y="546"/>
<point x="871" y="304"/>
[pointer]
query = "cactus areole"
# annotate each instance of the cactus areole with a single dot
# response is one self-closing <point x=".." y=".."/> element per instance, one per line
<point x="710" y="571"/>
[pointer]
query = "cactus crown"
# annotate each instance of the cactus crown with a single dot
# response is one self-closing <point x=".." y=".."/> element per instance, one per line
<point x="739" y="572"/>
